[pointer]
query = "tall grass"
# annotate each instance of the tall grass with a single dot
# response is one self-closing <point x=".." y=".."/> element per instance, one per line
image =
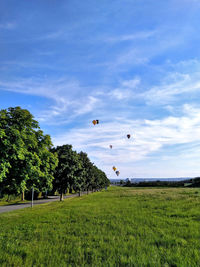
<point x="118" y="227"/>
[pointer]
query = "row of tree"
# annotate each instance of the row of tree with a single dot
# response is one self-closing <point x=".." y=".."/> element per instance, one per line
<point x="29" y="160"/>
<point x="76" y="172"/>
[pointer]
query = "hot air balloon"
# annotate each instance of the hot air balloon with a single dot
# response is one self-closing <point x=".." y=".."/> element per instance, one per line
<point x="128" y="136"/>
<point x="95" y="122"/>
<point x="110" y="146"/>
<point x="114" y="168"/>
<point x="117" y="172"/>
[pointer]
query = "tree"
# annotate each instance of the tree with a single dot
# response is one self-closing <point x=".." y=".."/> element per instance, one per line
<point x="128" y="183"/>
<point x="25" y="157"/>
<point x="88" y="167"/>
<point x="75" y="171"/>
<point x="100" y="179"/>
<point x="67" y="173"/>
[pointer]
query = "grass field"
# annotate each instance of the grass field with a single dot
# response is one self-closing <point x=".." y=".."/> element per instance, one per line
<point x="118" y="227"/>
<point x="17" y="200"/>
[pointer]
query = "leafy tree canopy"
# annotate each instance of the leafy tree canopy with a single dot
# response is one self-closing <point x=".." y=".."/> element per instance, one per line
<point x="25" y="157"/>
<point x="69" y="166"/>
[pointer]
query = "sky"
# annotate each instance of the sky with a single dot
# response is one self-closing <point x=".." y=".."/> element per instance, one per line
<point x="132" y="64"/>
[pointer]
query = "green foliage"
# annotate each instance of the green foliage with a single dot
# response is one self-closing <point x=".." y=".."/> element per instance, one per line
<point x="195" y="182"/>
<point x="87" y="171"/>
<point x="117" y="227"/>
<point x="76" y="172"/>
<point x="25" y="157"/>
<point x="100" y="179"/>
<point x="67" y="170"/>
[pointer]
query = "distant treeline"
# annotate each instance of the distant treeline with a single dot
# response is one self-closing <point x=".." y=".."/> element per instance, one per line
<point x="195" y="182"/>
<point x="29" y="160"/>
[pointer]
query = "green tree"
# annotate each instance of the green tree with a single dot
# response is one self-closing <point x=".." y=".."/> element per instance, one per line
<point x="69" y="170"/>
<point x="25" y="157"/>
<point x="88" y="171"/>
<point x="100" y="179"/>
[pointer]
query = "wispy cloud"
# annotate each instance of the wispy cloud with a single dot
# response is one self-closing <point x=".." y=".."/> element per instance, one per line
<point x="72" y="99"/>
<point x="176" y="85"/>
<point x="131" y="83"/>
<point x="149" y="45"/>
<point x="124" y="91"/>
<point x="83" y="108"/>
<point x="8" y="25"/>
<point x="131" y="56"/>
<point x="52" y="35"/>
<point x="148" y="137"/>
<point x="129" y="37"/>
<point x="66" y="94"/>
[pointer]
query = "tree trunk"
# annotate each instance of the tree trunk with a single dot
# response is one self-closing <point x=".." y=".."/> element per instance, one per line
<point x="61" y="197"/>
<point x="87" y="191"/>
<point x="22" y="196"/>
<point x="79" y="193"/>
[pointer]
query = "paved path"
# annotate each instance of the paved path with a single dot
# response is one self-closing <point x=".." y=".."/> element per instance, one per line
<point x="11" y="207"/>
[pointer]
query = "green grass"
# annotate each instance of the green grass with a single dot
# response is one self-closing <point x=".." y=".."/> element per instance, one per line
<point x="13" y="200"/>
<point x="118" y="227"/>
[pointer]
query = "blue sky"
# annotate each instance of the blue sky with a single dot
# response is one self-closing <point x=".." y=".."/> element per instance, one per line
<point x="132" y="64"/>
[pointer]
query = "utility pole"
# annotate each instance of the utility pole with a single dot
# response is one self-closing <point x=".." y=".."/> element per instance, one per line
<point x="32" y="197"/>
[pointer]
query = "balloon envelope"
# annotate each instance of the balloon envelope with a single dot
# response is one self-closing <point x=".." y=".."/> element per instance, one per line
<point x="117" y="172"/>
<point x="128" y="136"/>
<point x="110" y="146"/>
<point x="114" y="168"/>
<point x="95" y="122"/>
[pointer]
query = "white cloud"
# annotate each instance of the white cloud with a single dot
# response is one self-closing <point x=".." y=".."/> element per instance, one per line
<point x="53" y="89"/>
<point x="130" y="37"/>
<point x="131" y="83"/>
<point x="83" y="107"/>
<point x="124" y="91"/>
<point x="52" y="35"/>
<point x="175" y="85"/>
<point x="70" y="109"/>
<point x="120" y="94"/>
<point x="129" y="57"/>
<point x="8" y="26"/>
<point x="148" y="138"/>
<point x="67" y="95"/>
<point x="151" y="45"/>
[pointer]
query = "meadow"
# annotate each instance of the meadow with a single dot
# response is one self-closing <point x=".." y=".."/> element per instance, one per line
<point x="117" y="227"/>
